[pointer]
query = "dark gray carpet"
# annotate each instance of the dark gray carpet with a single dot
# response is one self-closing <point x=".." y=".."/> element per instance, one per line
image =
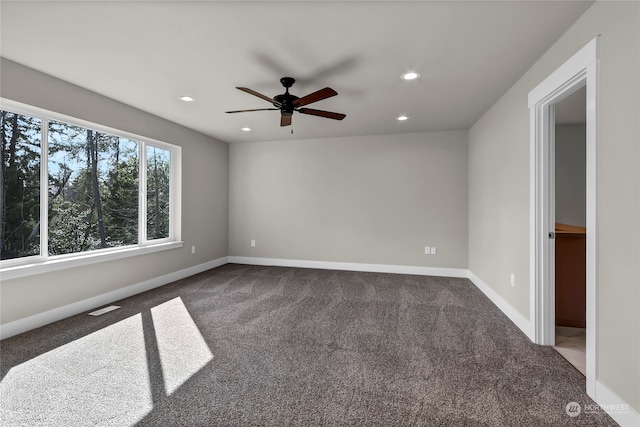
<point x="246" y="345"/>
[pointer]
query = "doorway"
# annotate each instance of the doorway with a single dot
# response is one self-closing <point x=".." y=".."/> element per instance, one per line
<point x="569" y="153"/>
<point x="579" y="71"/>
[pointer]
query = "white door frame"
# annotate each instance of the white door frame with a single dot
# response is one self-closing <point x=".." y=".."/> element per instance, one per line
<point x="579" y="71"/>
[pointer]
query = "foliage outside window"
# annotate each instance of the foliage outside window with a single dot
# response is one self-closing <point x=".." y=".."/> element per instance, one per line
<point x="20" y="185"/>
<point x="102" y="190"/>
<point x="158" y="168"/>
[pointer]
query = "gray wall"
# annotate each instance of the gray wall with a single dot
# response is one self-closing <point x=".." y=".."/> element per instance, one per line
<point x="571" y="174"/>
<point x="367" y="199"/>
<point x="204" y="197"/>
<point x="499" y="189"/>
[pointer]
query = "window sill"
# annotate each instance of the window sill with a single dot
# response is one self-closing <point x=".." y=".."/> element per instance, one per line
<point x="64" y="262"/>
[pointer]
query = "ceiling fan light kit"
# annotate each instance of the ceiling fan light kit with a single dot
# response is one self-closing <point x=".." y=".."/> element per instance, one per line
<point x="288" y="103"/>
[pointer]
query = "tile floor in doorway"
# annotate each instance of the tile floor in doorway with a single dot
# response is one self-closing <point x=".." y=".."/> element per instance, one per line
<point x="571" y="344"/>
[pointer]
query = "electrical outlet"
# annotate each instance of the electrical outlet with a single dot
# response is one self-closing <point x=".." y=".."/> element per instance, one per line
<point x="253" y="243"/>
<point x="427" y="250"/>
<point x="193" y="249"/>
<point x="513" y="280"/>
<point x="433" y="250"/>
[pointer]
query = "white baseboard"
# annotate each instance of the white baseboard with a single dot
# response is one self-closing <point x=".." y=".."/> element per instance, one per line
<point x="348" y="266"/>
<point x="37" y="320"/>
<point x="514" y="315"/>
<point x="618" y="409"/>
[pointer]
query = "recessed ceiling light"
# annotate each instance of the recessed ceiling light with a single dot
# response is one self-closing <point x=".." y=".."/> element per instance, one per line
<point x="246" y="129"/>
<point x="187" y="98"/>
<point x="403" y="118"/>
<point x="411" y="75"/>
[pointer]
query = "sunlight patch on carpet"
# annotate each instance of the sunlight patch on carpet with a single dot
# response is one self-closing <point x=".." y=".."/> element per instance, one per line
<point x="183" y="351"/>
<point x="101" y="376"/>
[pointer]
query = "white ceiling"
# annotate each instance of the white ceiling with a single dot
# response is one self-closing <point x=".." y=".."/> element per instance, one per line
<point x="148" y="53"/>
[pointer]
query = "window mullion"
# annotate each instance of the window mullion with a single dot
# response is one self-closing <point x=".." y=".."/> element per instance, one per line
<point x="142" y="192"/>
<point x="174" y="192"/>
<point x="44" y="189"/>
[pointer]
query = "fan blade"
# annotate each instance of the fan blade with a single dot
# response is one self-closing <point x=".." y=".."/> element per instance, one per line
<point x="259" y="95"/>
<point x="321" y="113"/>
<point x="319" y="95"/>
<point x="285" y="120"/>
<point x="256" y="109"/>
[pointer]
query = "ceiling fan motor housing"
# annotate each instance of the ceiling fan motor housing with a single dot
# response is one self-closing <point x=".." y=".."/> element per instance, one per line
<point x="285" y="103"/>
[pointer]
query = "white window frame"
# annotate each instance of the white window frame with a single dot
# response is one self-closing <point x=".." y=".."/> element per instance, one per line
<point x="43" y="263"/>
<point x="174" y="230"/>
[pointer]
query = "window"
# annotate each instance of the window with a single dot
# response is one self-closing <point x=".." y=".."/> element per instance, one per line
<point x="93" y="190"/>
<point x="158" y="177"/>
<point x="20" y="185"/>
<point x="102" y="189"/>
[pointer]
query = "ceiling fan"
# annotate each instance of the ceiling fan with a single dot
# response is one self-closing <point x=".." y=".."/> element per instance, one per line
<point x="288" y="103"/>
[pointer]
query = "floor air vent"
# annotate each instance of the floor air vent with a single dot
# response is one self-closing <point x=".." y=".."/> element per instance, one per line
<point x="104" y="310"/>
